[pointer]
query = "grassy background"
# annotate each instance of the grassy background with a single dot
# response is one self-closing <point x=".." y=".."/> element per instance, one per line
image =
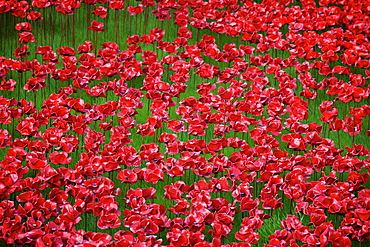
<point x="63" y="30"/>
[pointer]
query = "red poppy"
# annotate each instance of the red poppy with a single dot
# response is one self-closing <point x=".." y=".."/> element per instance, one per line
<point x="24" y="26"/>
<point x="34" y="16"/>
<point x="49" y="239"/>
<point x="26" y="37"/>
<point x="40" y="4"/>
<point x="206" y="71"/>
<point x="127" y="176"/>
<point x="133" y="39"/>
<point x="8" y="85"/>
<point x="27" y="127"/>
<point x="247" y="235"/>
<point x="66" y="51"/>
<point x="85" y="47"/>
<point x="153" y="175"/>
<point x="178" y="237"/>
<point x="116" y="4"/>
<point x="34" y="84"/>
<point x="357" y="150"/>
<point x="51" y="176"/>
<point x="60" y="158"/>
<point x="36" y="160"/>
<point x="172" y="192"/>
<point x="182" y="206"/>
<point x="100" y="11"/>
<point x="135" y="10"/>
<point x="125" y="238"/>
<point x="216" y="145"/>
<point x="107" y="221"/>
<point x="329" y="56"/>
<point x="181" y="41"/>
<point x="308" y="94"/>
<point x="96" y="26"/>
<point x="176" y="125"/>
<point x="5" y="138"/>
<point x="69" y="215"/>
<point x="221" y="130"/>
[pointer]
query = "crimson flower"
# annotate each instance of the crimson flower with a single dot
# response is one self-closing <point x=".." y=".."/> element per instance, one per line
<point x="26" y="37"/>
<point x="178" y="237"/>
<point x="127" y="176"/>
<point x="116" y="4"/>
<point x="96" y="26"/>
<point x="60" y="158"/>
<point x="34" y="16"/>
<point x="24" y="26"/>
<point x="153" y="175"/>
<point x="135" y="10"/>
<point x="8" y="85"/>
<point x="49" y="240"/>
<point x="108" y="221"/>
<point x="85" y="47"/>
<point x="100" y="11"/>
<point x="184" y="32"/>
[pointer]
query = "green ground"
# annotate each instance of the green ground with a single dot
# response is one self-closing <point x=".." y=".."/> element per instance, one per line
<point x="62" y="30"/>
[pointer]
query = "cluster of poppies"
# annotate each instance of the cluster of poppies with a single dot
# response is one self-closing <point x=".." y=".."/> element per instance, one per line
<point x="254" y="94"/>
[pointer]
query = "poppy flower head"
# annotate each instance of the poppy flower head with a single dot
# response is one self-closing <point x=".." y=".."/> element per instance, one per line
<point x="96" y="26"/>
<point x="8" y="85"/>
<point x="158" y="33"/>
<point x="34" y="16"/>
<point x="135" y="10"/>
<point x="24" y="26"/>
<point x="26" y="37"/>
<point x="66" y="51"/>
<point x="100" y="11"/>
<point x="116" y="4"/>
<point x="60" y="158"/>
<point x="127" y="176"/>
<point x="184" y="32"/>
<point x="85" y="47"/>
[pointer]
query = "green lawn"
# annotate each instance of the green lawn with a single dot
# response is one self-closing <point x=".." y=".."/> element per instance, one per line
<point x="71" y="30"/>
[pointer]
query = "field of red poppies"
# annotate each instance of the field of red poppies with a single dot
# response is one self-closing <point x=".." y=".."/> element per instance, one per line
<point x="184" y="123"/>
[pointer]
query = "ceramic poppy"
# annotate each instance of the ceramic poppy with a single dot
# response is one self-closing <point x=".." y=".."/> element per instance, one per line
<point x="96" y="26"/>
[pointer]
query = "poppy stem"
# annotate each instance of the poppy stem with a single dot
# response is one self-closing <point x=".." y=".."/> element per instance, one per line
<point x="63" y="29"/>
<point x="368" y="122"/>
<point x="88" y="19"/>
<point x="254" y="189"/>
<point x="95" y="221"/>
<point x="51" y="28"/>
<point x="146" y="13"/>
<point x="73" y="30"/>
<point x="110" y="231"/>
<point x="338" y="139"/>
<point x="315" y="104"/>
<point x="116" y="26"/>
<point x="96" y="43"/>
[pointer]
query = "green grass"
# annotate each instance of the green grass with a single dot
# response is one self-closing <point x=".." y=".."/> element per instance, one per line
<point x="62" y="30"/>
